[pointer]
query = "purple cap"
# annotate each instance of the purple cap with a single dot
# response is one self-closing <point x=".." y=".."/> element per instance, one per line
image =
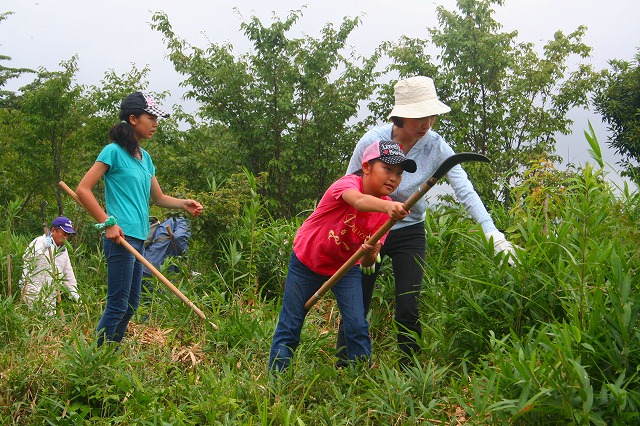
<point x="63" y="223"/>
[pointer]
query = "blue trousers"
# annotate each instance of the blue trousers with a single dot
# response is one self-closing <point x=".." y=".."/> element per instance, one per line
<point x="301" y="284"/>
<point x="124" y="279"/>
<point x="407" y="249"/>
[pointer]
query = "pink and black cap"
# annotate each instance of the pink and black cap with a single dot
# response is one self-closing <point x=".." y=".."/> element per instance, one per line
<point x="389" y="153"/>
<point x="143" y="101"/>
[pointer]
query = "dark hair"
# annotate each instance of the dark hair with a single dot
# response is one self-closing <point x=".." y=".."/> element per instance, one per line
<point x="360" y="172"/>
<point x="398" y="121"/>
<point x="60" y="228"/>
<point x="122" y="133"/>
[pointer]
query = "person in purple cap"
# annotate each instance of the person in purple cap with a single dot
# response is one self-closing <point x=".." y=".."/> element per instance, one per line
<point x="129" y="181"/>
<point x="46" y="265"/>
<point x="353" y="208"/>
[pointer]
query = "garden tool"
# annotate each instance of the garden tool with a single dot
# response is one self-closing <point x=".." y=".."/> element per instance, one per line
<point x="442" y="170"/>
<point x="144" y="261"/>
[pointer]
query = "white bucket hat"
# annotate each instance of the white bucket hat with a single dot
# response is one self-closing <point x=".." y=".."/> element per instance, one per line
<point x="416" y="97"/>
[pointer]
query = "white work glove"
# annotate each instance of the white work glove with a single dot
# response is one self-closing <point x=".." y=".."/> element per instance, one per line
<point x="370" y="270"/>
<point x="501" y="245"/>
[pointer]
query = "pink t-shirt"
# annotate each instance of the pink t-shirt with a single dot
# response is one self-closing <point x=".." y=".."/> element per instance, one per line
<point x="335" y="230"/>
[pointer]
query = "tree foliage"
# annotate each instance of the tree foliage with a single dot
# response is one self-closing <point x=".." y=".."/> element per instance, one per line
<point x="507" y="101"/>
<point x="290" y="106"/>
<point x="48" y="118"/>
<point x="286" y="105"/>
<point x="64" y="125"/>
<point x="7" y="73"/>
<point x="618" y="101"/>
<point x="54" y="130"/>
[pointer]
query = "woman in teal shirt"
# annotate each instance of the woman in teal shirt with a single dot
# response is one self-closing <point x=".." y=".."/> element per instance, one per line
<point x="129" y="177"/>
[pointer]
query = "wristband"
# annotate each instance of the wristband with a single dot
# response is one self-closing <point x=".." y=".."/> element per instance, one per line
<point x="109" y="222"/>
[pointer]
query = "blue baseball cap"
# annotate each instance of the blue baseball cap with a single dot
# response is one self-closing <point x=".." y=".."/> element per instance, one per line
<point x="63" y="223"/>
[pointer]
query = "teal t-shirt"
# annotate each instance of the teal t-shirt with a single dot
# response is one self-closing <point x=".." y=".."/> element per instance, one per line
<point x="127" y="188"/>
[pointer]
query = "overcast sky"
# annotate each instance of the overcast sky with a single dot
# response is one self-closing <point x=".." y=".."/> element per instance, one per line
<point x="113" y="34"/>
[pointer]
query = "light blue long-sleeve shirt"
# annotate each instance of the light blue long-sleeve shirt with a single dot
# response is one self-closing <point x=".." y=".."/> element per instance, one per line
<point x="428" y="153"/>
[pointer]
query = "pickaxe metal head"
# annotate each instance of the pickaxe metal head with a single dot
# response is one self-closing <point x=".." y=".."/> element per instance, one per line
<point x="456" y="159"/>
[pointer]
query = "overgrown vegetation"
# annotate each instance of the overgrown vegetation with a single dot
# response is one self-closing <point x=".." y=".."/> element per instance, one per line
<point x="553" y="339"/>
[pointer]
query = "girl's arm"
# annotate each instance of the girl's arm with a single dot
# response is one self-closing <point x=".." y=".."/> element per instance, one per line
<point x="370" y="254"/>
<point x="85" y="187"/>
<point x="369" y="203"/>
<point x="85" y="194"/>
<point x="162" y="200"/>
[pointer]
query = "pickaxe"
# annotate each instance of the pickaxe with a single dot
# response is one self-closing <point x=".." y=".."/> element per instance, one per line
<point x="442" y="170"/>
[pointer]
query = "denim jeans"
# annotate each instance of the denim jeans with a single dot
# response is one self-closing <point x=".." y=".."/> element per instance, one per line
<point x="124" y="278"/>
<point x="406" y="247"/>
<point x="301" y="284"/>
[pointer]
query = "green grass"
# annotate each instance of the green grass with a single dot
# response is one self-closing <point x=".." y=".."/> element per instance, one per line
<point x="552" y="340"/>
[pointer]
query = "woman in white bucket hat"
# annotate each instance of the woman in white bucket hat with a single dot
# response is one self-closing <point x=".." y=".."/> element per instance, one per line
<point x="413" y="115"/>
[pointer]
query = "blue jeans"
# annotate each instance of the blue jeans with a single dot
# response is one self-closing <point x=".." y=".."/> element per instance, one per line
<point x="301" y="284"/>
<point x="124" y="279"/>
<point x="407" y="248"/>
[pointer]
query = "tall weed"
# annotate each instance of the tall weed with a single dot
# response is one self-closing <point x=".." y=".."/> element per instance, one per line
<point x="552" y="339"/>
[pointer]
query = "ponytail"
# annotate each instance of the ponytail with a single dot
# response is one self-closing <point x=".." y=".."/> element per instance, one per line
<point x="122" y="133"/>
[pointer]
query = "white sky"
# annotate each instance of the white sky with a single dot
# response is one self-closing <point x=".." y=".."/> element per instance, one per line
<point x="113" y="34"/>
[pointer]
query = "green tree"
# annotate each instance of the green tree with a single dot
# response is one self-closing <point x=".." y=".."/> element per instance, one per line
<point x="287" y="104"/>
<point x="11" y="130"/>
<point x="618" y="101"/>
<point x="10" y="127"/>
<point x="507" y="101"/>
<point x="197" y="157"/>
<point x="50" y="117"/>
<point x="7" y="98"/>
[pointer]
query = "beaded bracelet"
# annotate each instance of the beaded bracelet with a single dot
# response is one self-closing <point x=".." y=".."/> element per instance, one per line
<point x="110" y="221"/>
